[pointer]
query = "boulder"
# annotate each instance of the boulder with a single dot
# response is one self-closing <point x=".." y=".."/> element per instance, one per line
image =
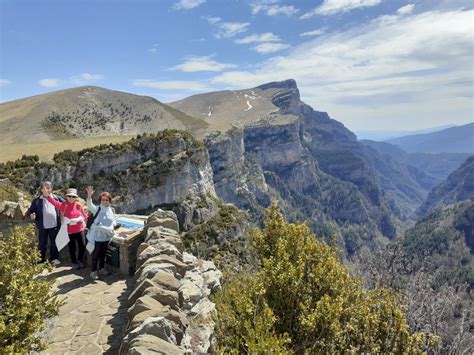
<point x="156" y="250"/>
<point x="149" y="344"/>
<point x="198" y="338"/>
<point x="155" y="236"/>
<point x="166" y="280"/>
<point x="212" y="280"/>
<point x="178" y="318"/>
<point x="147" y="271"/>
<point x="165" y="297"/>
<point x="165" y="219"/>
<point x="189" y="259"/>
<point x="142" y="247"/>
<point x="190" y="293"/>
<point x="180" y="266"/>
<point x="156" y="326"/>
<point x="203" y="309"/>
<point x="142" y="304"/>
<point x="138" y="291"/>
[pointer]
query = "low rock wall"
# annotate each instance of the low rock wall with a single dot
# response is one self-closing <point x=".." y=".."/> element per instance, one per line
<point x="169" y="309"/>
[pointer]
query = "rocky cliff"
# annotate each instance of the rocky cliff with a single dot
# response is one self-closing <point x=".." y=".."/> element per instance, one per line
<point x="278" y="148"/>
<point x="170" y="169"/>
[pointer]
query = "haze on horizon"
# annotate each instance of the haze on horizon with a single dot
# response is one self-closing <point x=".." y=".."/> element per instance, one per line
<point x="375" y="65"/>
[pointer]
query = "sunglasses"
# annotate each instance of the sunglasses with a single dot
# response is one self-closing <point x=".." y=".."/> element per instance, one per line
<point x="70" y="196"/>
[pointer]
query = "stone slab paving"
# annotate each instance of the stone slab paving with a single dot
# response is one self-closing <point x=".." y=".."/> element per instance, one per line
<point x="93" y="316"/>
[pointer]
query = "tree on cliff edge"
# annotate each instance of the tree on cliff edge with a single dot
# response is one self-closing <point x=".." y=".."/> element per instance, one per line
<point x="25" y="299"/>
<point x="303" y="300"/>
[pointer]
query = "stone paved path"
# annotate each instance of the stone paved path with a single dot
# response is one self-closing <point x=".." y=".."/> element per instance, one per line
<point x="93" y="317"/>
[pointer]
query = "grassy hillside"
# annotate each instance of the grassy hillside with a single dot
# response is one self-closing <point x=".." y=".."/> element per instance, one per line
<point x="88" y="112"/>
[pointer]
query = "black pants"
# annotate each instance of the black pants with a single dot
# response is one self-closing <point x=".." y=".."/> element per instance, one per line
<point x="43" y="236"/>
<point x="76" y="238"/>
<point x="98" y="255"/>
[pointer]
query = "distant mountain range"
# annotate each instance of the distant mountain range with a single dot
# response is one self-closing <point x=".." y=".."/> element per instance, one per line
<point x="459" y="139"/>
<point x="438" y="165"/>
<point x="380" y="135"/>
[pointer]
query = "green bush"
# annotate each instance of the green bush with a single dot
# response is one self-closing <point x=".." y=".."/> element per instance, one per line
<point x="302" y="299"/>
<point x="25" y="298"/>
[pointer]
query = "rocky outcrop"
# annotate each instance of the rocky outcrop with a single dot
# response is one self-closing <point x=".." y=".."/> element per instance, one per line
<point x="13" y="212"/>
<point x="170" y="169"/>
<point x="169" y="309"/>
<point x="238" y="179"/>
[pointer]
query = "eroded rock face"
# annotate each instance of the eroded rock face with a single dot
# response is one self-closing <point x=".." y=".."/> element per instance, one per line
<point x="13" y="213"/>
<point x="170" y="301"/>
<point x="237" y="178"/>
<point x="168" y="169"/>
<point x="304" y="160"/>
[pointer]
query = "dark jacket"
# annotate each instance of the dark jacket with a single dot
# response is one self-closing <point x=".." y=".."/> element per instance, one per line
<point x="37" y="207"/>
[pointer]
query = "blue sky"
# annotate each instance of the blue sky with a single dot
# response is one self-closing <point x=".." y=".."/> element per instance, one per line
<point x="371" y="64"/>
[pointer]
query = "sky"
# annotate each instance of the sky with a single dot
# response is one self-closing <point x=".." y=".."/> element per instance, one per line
<point x="371" y="64"/>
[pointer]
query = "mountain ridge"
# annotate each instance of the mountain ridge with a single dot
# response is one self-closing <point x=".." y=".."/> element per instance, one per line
<point x="459" y="139"/>
<point x="88" y="111"/>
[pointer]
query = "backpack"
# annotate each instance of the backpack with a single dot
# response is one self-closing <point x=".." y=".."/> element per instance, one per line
<point x="91" y="219"/>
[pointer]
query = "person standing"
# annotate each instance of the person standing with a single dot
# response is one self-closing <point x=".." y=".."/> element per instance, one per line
<point x="101" y="230"/>
<point x="75" y="218"/>
<point x="48" y="220"/>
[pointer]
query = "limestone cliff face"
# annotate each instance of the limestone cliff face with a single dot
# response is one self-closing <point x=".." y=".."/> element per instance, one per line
<point x="170" y="169"/>
<point x="238" y="179"/>
<point x="274" y="145"/>
<point x="285" y="169"/>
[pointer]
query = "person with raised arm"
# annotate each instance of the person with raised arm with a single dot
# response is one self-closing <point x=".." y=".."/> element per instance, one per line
<point x="75" y="218"/>
<point x="101" y="230"/>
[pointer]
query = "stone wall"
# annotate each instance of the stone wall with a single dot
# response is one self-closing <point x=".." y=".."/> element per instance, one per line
<point x="169" y="309"/>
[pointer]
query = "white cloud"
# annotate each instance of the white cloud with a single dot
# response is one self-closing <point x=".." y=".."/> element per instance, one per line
<point x="227" y="29"/>
<point x="198" y="64"/>
<point x="50" y="83"/>
<point x="213" y="20"/>
<point x="317" y="32"/>
<point x="187" y="4"/>
<point x="230" y="29"/>
<point x="85" y="78"/>
<point x="331" y="7"/>
<point x="266" y="48"/>
<point x="171" y="85"/>
<point x="405" y="10"/>
<point x="4" y="82"/>
<point x="255" y="38"/>
<point x="388" y="71"/>
<point x="270" y="8"/>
